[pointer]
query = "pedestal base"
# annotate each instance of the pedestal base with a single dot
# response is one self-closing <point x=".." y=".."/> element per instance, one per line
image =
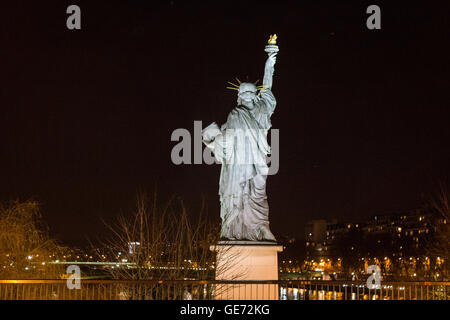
<point x="246" y="260"/>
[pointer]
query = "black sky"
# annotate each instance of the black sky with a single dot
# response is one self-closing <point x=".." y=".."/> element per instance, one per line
<point x="86" y="116"/>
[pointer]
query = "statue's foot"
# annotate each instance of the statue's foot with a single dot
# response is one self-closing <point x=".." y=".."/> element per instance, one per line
<point x="266" y="234"/>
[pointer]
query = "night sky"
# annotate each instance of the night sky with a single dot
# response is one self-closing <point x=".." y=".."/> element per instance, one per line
<point x="86" y="116"/>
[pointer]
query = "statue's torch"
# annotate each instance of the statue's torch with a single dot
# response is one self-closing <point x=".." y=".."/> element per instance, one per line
<point x="271" y="46"/>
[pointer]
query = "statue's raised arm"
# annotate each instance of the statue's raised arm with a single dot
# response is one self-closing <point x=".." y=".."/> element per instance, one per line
<point x="272" y="50"/>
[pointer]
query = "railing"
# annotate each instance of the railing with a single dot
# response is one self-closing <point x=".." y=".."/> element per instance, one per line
<point x="210" y="290"/>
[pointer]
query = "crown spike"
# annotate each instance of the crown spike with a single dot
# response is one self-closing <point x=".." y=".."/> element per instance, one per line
<point x="233" y="84"/>
<point x="232" y="88"/>
<point x="239" y="81"/>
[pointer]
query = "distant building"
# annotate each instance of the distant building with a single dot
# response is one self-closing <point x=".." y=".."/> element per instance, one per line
<point x="397" y="242"/>
<point x="315" y="235"/>
<point x="405" y="231"/>
<point x="132" y="246"/>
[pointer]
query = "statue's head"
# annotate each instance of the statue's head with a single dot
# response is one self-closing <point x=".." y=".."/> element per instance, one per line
<point x="247" y="94"/>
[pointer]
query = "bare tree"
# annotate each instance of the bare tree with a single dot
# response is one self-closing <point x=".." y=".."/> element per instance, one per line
<point x="162" y="243"/>
<point x="439" y="246"/>
<point x="26" y="250"/>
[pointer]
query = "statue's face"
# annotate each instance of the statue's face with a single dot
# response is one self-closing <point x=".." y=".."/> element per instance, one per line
<point x="247" y="94"/>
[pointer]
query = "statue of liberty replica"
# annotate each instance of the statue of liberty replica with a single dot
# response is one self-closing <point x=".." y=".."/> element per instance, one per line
<point x="241" y="146"/>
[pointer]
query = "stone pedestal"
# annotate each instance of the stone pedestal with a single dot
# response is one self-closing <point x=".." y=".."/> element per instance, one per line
<point x="246" y="260"/>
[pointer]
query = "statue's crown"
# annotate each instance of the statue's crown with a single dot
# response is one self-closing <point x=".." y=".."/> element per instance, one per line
<point x="236" y="87"/>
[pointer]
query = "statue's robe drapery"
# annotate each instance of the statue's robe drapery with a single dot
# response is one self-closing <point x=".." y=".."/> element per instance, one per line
<point x="241" y="147"/>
